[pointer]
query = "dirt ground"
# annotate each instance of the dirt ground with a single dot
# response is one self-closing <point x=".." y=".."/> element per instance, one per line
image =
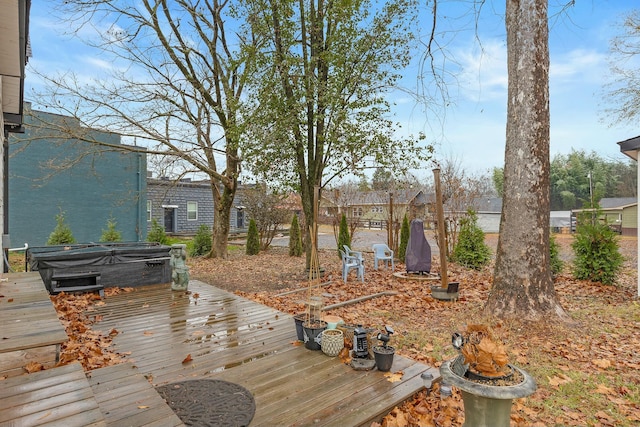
<point x="275" y="270"/>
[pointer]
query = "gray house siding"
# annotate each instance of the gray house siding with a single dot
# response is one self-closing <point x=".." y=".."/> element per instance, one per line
<point x="49" y="173"/>
<point x="169" y="201"/>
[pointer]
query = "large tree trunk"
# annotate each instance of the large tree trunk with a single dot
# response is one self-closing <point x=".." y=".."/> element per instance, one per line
<point x="222" y="203"/>
<point x="523" y="286"/>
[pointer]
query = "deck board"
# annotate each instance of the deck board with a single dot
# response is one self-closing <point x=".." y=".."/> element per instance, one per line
<point x="27" y="315"/>
<point x="58" y="396"/>
<point x="127" y="398"/>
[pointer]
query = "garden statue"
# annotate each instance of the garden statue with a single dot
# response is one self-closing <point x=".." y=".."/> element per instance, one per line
<point x="179" y="269"/>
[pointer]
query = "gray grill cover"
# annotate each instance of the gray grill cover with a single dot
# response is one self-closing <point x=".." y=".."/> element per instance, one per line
<point x="418" y="255"/>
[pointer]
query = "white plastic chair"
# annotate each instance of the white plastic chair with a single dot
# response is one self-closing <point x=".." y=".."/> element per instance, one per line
<point x="349" y="252"/>
<point x="349" y="263"/>
<point x="382" y="252"/>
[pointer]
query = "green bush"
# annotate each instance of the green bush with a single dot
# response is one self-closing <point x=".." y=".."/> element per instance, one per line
<point x="471" y="251"/>
<point x="597" y="255"/>
<point x="554" y="251"/>
<point x="201" y="244"/>
<point x="253" y="239"/>
<point x="343" y="235"/>
<point x="61" y="235"/>
<point x="404" y="239"/>
<point x="295" y="241"/>
<point x="157" y="234"/>
<point x="111" y="234"/>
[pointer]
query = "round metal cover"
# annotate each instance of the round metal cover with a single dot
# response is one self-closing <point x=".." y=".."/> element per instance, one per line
<point x="208" y="402"/>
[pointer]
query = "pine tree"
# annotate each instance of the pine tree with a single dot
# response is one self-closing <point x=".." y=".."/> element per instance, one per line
<point x="343" y="235"/>
<point x="62" y="234"/>
<point x="295" y="240"/>
<point x="253" y="239"/>
<point x="404" y="239"/>
<point x="111" y="234"/>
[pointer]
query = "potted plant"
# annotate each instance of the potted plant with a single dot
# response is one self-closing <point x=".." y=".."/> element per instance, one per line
<point x="313" y="326"/>
<point x="332" y="342"/>
<point x="487" y="381"/>
<point x="383" y="354"/>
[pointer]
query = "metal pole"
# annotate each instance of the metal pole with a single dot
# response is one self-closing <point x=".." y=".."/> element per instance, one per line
<point x="442" y="243"/>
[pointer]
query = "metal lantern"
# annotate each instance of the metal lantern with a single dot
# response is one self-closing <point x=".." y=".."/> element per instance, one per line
<point x="360" y="346"/>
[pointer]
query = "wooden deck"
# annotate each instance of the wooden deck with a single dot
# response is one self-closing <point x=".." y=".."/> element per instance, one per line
<point x="209" y="333"/>
<point x="31" y="330"/>
<point x="234" y="339"/>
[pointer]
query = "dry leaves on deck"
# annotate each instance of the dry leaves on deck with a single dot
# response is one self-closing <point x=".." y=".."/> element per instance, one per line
<point x="89" y="347"/>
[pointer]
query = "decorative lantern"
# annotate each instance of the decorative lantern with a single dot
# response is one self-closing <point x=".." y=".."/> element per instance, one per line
<point x="360" y="346"/>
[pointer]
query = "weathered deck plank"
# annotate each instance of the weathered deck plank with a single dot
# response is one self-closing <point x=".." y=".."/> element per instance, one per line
<point x="27" y="315"/>
<point x="58" y="396"/>
<point x="128" y="399"/>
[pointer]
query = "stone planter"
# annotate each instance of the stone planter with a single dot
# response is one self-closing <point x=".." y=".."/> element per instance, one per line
<point x="383" y="357"/>
<point x="485" y="405"/>
<point x="312" y="334"/>
<point x="332" y="342"/>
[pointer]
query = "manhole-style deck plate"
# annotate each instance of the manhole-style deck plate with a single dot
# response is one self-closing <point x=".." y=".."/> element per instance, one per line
<point x="208" y="402"/>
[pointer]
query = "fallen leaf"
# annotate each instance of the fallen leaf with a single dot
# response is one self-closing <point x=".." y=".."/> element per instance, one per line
<point x="602" y="389"/>
<point x="602" y="363"/>
<point x="143" y="407"/>
<point x="187" y="359"/>
<point x="147" y="333"/>
<point x="558" y="380"/>
<point x="33" y="367"/>
<point x="394" y="377"/>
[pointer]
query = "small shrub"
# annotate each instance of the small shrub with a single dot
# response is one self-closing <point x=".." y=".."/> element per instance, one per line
<point x="554" y="252"/>
<point x="404" y="239"/>
<point x="201" y="244"/>
<point x="597" y="256"/>
<point x="111" y="234"/>
<point x="61" y="235"/>
<point x="343" y="235"/>
<point x="157" y="234"/>
<point x="253" y="239"/>
<point x="295" y="241"/>
<point x="471" y="251"/>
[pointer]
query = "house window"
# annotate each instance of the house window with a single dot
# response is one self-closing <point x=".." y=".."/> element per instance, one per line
<point x="192" y="211"/>
<point x="357" y="212"/>
<point x="376" y="209"/>
<point x="148" y="210"/>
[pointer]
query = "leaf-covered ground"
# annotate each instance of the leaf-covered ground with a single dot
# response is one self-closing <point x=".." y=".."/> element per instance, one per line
<point x="588" y="371"/>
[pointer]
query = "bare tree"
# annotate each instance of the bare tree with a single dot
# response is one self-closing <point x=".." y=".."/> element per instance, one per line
<point x="267" y="210"/>
<point x="522" y="285"/>
<point x="175" y="84"/>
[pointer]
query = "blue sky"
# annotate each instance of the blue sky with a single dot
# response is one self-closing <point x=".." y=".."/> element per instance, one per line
<point x="471" y="130"/>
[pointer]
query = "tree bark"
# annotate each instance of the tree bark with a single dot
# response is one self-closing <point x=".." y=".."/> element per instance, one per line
<point x="523" y="286"/>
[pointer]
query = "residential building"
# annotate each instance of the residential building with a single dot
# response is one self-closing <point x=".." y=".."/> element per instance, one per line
<point x="181" y="207"/>
<point x="51" y="172"/>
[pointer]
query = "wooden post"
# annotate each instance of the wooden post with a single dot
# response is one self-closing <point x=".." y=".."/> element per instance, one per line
<point x="442" y="242"/>
<point x="390" y="226"/>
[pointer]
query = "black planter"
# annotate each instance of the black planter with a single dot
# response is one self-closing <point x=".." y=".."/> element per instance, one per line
<point x="384" y="357"/>
<point x="312" y="334"/>
<point x="299" y="319"/>
<point x="445" y="294"/>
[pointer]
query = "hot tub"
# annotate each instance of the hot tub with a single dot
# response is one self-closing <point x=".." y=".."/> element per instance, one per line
<point x="114" y="264"/>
